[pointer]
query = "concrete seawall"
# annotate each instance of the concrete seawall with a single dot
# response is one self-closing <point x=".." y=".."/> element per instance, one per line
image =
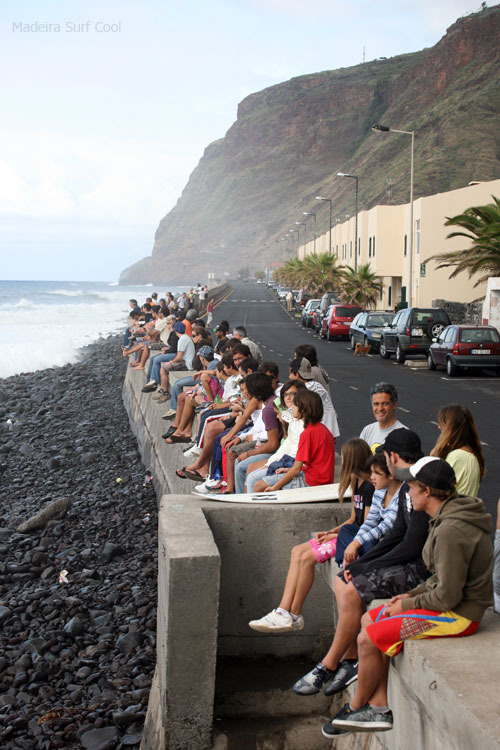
<point x="221" y="565"/>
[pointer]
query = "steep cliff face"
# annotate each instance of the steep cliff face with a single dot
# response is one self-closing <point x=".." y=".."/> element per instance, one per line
<point x="290" y="140"/>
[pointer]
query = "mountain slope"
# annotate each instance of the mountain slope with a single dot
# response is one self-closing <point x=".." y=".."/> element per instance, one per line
<point x="290" y="140"/>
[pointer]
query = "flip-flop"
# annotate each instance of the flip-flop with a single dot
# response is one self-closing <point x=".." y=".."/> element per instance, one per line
<point x="181" y="473"/>
<point x="177" y="439"/>
<point x="194" y="475"/>
<point x="169" y="432"/>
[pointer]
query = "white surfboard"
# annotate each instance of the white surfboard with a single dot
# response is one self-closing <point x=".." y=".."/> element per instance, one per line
<point x="322" y="494"/>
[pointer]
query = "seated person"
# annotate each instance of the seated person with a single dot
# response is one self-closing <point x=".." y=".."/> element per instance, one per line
<point x="450" y="603"/>
<point x="183" y="360"/>
<point x="315" y="460"/>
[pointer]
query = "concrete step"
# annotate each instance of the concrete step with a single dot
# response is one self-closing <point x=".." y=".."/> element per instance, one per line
<point x="293" y="733"/>
<point x="262" y="688"/>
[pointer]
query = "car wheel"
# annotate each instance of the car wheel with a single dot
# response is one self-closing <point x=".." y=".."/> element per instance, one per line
<point x="430" y="362"/>
<point x="383" y="351"/>
<point x="303" y="322"/>
<point x="451" y="367"/>
<point x="353" y="343"/>
<point x="400" y="355"/>
<point x="435" y="330"/>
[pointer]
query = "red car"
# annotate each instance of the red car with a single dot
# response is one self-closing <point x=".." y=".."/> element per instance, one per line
<point x="465" y="346"/>
<point x="337" y="321"/>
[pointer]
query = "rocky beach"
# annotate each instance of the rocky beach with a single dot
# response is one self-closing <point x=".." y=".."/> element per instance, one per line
<point x="78" y="560"/>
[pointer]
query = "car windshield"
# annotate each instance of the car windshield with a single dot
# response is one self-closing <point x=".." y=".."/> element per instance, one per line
<point x="478" y="335"/>
<point x="347" y="312"/>
<point x="375" y="321"/>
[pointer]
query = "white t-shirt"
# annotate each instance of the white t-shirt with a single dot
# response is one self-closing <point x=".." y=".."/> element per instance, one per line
<point x="329" y="413"/>
<point x="186" y="346"/>
<point x="375" y="435"/>
<point x="231" y="387"/>
<point x="161" y="326"/>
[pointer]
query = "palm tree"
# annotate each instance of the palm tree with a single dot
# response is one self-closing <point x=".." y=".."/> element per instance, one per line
<point x="360" y="287"/>
<point x="482" y="228"/>
<point x="321" y="273"/>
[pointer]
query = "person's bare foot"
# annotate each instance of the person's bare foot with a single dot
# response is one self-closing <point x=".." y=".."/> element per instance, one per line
<point x="138" y="367"/>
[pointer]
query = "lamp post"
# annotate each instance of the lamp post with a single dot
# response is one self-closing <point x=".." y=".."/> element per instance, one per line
<point x="354" y="177"/>
<point x="385" y="129"/>
<point x="310" y="213"/>
<point x="319" y="198"/>
<point x="303" y="224"/>
<point x="297" y="232"/>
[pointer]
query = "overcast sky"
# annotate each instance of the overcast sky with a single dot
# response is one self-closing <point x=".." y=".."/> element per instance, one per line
<point x="105" y="114"/>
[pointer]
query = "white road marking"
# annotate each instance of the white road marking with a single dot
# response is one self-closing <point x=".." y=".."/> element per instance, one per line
<point x="431" y="421"/>
<point x="486" y="444"/>
<point x="353" y="387"/>
<point x="407" y="411"/>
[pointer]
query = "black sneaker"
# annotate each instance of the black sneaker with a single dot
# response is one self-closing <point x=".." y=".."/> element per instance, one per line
<point x="332" y="732"/>
<point x="365" y="719"/>
<point x="347" y="672"/>
<point x="152" y="385"/>
<point x="313" y="681"/>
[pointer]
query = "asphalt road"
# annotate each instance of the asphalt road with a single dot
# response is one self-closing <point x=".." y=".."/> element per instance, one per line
<point x="421" y="393"/>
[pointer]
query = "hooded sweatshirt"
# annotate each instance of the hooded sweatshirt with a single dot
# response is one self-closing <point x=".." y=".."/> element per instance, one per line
<point x="459" y="554"/>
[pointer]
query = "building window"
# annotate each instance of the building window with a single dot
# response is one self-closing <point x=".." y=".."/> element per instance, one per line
<point x="359" y="245"/>
<point x="350" y="249"/>
<point x="373" y="246"/>
<point x="406" y="244"/>
<point x="336" y="251"/>
<point x="389" y="298"/>
<point x="417" y="236"/>
<point x="369" y="247"/>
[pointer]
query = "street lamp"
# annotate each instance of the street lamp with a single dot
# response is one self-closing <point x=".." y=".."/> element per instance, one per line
<point x="297" y="232"/>
<point x="319" y="198"/>
<point x="303" y="224"/>
<point x="354" y="177"/>
<point x="385" y="129"/>
<point x="310" y="213"/>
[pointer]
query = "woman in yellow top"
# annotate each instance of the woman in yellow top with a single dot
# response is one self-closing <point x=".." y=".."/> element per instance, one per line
<point x="459" y="445"/>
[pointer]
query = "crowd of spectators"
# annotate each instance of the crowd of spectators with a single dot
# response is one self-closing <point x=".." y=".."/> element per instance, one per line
<point x="417" y="535"/>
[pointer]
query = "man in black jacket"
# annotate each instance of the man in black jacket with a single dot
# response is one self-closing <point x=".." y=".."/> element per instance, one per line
<point x="393" y="566"/>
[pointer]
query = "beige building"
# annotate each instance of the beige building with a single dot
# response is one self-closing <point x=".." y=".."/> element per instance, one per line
<point x="383" y="242"/>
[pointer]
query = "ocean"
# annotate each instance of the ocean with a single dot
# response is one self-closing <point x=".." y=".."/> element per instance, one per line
<point x="45" y="323"/>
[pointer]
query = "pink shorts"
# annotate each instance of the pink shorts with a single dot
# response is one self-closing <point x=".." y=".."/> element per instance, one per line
<point x="323" y="552"/>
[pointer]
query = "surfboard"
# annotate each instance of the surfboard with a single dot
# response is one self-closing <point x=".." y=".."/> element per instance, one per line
<point x="322" y="494"/>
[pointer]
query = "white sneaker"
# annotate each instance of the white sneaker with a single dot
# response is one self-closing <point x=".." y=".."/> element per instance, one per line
<point x="193" y="451"/>
<point x="277" y="622"/>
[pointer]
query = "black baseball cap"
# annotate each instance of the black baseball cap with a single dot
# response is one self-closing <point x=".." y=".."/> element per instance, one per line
<point x="431" y="471"/>
<point x="401" y="441"/>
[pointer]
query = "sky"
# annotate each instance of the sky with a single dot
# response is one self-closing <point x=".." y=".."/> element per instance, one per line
<point x="107" y="107"/>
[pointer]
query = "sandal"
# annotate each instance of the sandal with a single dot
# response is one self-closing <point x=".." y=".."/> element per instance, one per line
<point x="169" y="432"/>
<point x="177" y="439"/>
<point x="194" y="474"/>
<point x="181" y="473"/>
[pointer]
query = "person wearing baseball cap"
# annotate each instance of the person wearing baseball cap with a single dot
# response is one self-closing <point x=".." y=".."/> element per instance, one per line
<point x="450" y="603"/>
<point x="392" y="566"/>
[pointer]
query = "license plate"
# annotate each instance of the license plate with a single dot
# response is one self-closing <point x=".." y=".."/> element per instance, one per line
<point x="417" y="332"/>
<point x="347" y="322"/>
<point x="480" y="351"/>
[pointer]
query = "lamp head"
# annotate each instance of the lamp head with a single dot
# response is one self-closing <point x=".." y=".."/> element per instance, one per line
<point x="381" y="128"/>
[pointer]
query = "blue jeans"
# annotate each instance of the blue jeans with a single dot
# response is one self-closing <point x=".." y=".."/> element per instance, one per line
<point x="240" y="470"/>
<point x="177" y="389"/>
<point x="156" y="366"/>
<point x="345" y="537"/>
<point x="254" y="477"/>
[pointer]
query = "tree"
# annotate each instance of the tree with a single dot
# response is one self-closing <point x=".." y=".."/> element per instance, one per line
<point x="260" y="275"/>
<point x="360" y="287"/>
<point x="321" y="273"/>
<point x="480" y="225"/>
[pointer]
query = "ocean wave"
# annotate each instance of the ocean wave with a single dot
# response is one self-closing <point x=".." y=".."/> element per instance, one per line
<point x="69" y="292"/>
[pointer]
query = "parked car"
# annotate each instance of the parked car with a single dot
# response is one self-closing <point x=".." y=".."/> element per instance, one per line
<point x="412" y="331"/>
<point x="337" y="321"/>
<point x="465" y="346"/>
<point x="301" y="298"/>
<point x="282" y="292"/>
<point x="329" y="298"/>
<point x="367" y="327"/>
<point x="308" y="312"/>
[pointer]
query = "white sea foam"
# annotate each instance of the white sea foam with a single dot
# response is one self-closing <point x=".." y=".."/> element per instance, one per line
<point x="36" y="337"/>
<point x="42" y="327"/>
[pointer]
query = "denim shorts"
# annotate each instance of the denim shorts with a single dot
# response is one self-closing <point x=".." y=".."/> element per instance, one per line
<point x="297" y="482"/>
